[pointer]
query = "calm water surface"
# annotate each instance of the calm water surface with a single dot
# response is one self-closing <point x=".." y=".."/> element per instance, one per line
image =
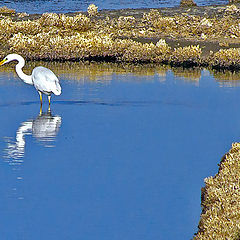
<point x="63" y="6"/>
<point x="122" y="155"/>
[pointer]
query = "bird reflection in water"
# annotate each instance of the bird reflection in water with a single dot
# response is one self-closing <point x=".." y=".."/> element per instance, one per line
<point x="44" y="129"/>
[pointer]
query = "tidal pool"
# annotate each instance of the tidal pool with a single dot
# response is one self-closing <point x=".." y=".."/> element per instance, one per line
<point x="122" y="155"/>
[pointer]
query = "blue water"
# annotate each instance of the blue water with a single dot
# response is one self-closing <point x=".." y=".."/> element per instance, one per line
<point x="64" y="6"/>
<point x="120" y="157"/>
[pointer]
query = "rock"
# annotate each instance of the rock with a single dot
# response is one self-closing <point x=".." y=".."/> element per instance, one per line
<point x="188" y="3"/>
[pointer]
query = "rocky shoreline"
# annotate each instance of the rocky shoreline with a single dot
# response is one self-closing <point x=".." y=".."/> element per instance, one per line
<point x="180" y="36"/>
<point x="220" y="200"/>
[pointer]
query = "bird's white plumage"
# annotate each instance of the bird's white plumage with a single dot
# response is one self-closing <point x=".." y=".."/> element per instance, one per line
<point x="43" y="79"/>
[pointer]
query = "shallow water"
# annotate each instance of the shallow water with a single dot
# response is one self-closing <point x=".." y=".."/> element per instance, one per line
<point x="64" y="6"/>
<point x="122" y="155"/>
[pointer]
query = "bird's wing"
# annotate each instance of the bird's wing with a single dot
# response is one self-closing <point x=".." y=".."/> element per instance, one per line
<point x="46" y="81"/>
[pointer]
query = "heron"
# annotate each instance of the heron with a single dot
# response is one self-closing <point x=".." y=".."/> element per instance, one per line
<point x="43" y="79"/>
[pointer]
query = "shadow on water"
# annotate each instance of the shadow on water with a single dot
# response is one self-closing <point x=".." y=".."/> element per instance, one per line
<point x="105" y="103"/>
<point x="44" y="128"/>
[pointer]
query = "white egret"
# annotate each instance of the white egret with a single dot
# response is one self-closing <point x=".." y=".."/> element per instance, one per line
<point x="43" y="79"/>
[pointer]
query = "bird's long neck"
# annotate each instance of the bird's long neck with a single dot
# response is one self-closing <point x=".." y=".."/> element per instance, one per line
<point x="26" y="78"/>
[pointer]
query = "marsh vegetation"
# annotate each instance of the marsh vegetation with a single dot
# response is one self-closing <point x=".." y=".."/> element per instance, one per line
<point x="142" y="37"/>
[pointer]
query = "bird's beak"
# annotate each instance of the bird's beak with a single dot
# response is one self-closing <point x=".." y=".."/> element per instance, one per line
<point x="2" y="62"/>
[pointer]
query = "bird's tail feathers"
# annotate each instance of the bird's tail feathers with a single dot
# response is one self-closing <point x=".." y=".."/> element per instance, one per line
<point x="57" y="91"/>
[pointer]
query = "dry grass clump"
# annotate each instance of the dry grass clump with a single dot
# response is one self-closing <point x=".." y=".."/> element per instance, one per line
<point x="220" y="218"/>
<point x="9" y="27"/>
<point x="92" y="10"/>
<point x="228" y="58"/>
<point x="137" y="52"/>
<point x="4" y="9"/>
<point x="78" y="22"/>
<point x="50" y="19"/>
<point x="186" y="55"/>
<point x="154" y="19"/>
<point x="126" y="22"/>
<point x="26" y="27"/>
